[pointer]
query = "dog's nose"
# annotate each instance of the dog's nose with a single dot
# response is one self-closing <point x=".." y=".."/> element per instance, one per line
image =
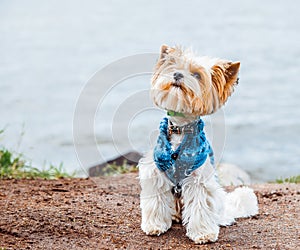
<point x="177" y="76"/>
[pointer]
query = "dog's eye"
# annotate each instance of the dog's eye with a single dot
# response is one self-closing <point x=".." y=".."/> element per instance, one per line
<point x="196" y="75"/>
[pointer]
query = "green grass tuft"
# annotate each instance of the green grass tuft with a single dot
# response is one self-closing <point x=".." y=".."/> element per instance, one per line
<point x="292" y="179"/>
<point x="14" y="167"/>
<point x="114" y="169"/>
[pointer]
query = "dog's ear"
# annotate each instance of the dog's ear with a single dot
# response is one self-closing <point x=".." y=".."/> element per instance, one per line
<point x="164" y="50"/>
<point x="224" y="77"/>
<point x="231" y="72"/>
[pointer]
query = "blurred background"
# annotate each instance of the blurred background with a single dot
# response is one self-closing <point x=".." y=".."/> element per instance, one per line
<point x="49" y="50"/>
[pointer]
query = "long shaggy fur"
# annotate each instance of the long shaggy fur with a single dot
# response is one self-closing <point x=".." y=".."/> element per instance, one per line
<point x="197" y="97"/>
<point x="203" y="206"/>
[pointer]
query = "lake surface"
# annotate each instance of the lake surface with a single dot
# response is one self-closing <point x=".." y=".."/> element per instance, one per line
<point x="49" y="51"/>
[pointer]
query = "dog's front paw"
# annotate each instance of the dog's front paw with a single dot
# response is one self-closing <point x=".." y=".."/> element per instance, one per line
<point x="201" y="238"/>
<point x="153" y="229"/>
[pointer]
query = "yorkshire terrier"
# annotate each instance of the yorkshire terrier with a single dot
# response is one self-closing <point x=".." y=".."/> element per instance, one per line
<point x="178" y="178"/>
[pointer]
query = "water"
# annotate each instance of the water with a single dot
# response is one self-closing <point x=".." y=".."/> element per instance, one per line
<point x="50" y="49"/>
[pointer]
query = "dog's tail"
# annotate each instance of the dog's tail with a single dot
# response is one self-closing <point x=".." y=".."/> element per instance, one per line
<point x="242" y="202"/>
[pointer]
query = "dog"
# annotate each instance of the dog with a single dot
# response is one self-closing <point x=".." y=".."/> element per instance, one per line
<point x="178" y="178"/>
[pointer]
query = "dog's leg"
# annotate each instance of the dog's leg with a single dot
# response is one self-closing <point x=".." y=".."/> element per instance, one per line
<point x="156" y="201"/>
<point x="203" y="205"/>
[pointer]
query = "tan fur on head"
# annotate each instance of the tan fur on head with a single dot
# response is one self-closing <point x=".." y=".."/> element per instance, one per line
<point x="205" y="87"/>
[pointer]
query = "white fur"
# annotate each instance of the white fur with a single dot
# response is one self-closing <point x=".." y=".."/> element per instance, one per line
<point x="242" y="202"/>
<point x="206" y="205"/>
<point x="156" y="201"/>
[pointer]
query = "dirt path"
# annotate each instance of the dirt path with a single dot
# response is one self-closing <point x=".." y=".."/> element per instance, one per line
<point x="103" y="213"/>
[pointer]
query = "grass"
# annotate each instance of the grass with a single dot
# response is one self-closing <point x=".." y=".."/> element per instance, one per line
<point x="114" y="169"/>
<point x="292" y="179"/>
<point x="13" y="166"/>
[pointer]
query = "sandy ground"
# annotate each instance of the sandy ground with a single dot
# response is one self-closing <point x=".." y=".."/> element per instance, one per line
<point x="104" y="213"/>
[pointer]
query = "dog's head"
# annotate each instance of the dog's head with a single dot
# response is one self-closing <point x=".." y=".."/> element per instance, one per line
<point x="192" y="85"/>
